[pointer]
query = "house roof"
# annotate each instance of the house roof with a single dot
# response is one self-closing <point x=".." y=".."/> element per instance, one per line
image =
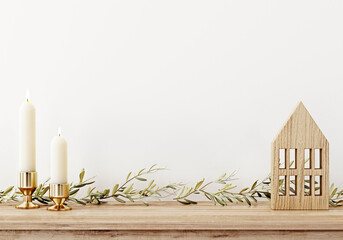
<point x="300" y="130"/>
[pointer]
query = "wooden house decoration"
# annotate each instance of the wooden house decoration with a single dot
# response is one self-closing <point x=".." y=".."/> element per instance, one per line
<point x="300" y="164"/>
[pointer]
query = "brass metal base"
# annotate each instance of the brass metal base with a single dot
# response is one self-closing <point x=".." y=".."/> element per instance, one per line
<point x="59" y="208"/>
<point x="59" y="193"/>
<point x="27" y="185"/>
<point x="27" y="205"/>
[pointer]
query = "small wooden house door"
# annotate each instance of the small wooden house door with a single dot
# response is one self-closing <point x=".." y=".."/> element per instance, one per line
<point x="300" y="164"/>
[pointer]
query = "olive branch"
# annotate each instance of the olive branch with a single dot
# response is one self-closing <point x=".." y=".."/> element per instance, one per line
<point x="225" y="191"/>
<point x="120" y="192"/>
<point x="127" y="192"/>
<point x="8" y="195"/>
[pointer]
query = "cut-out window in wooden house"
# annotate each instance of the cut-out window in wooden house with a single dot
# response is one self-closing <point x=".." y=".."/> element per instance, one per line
<point x="282" y="158"/>
<point x="300" y="164"/>
<point x="293" y="185"/>
<point x="293" y="158"/>
<point x="282" y="185"/>
<point x="318" y="185"/>
<point x="307" y="185"/>
<point x="307" y="156"/>
<point x="318" y="158"/>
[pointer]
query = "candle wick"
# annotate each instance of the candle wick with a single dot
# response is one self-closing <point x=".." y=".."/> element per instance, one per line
<point x="27" y="95"/>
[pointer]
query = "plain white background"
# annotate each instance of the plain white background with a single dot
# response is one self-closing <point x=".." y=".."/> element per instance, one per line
<point x="201" y="87"/>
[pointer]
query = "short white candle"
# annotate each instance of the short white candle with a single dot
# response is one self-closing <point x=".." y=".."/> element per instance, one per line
<point x="59" y="156"/>
<point x="27" y="136"/>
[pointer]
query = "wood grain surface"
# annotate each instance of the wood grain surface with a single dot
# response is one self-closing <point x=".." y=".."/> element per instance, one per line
<point x="166" y="220"/>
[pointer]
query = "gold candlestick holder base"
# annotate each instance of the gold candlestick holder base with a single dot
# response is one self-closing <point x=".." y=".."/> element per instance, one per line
<point x="27" y="185"/>
<point x="59" y="193"/>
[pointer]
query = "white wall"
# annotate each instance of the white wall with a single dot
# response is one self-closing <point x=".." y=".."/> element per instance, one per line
<point x="201" y="87"/>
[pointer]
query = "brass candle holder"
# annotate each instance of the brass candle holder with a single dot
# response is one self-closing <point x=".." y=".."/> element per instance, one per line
<point x="59" y="193"/>
<point x="27" y="185"/>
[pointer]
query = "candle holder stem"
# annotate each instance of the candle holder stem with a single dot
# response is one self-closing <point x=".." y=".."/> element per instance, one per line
<point x="27" y="198"/>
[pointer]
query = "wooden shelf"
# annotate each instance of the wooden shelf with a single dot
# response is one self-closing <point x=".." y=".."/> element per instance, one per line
<point x="171" y="220"/>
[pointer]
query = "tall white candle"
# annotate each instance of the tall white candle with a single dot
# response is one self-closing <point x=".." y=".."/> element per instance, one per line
<point x="27" y="136"/>
<point x="59" y="156"/>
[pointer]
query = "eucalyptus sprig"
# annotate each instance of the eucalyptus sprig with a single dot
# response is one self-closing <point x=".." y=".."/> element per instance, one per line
<point x="224" y="193"/>
<point x="127" y="192"/>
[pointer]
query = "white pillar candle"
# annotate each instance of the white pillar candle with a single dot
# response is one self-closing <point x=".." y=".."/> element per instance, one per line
<point x="27" y="136"/>
<point x="59" y="155"/>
